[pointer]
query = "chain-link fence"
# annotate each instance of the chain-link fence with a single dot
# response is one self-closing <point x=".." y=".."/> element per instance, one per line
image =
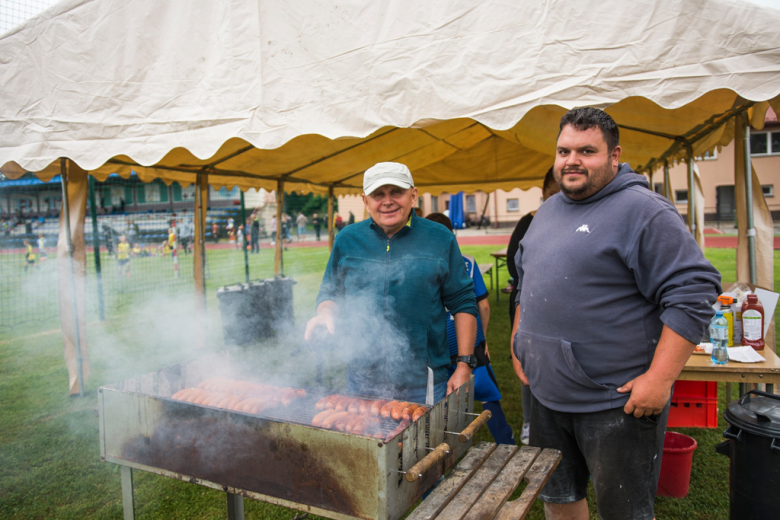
<point x="143" y="234"/>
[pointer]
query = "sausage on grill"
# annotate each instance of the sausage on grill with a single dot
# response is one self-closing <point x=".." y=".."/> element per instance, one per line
<point x="398" y="410"/>
<point x="406" y="415"/>
<point x="330" y="421"/>
<point x="387" y="409"/>
<point x="317" y="421"/>
<point x="376" y="406"/>
<point x="354" y="406"/>
<point x="419" y="412"/>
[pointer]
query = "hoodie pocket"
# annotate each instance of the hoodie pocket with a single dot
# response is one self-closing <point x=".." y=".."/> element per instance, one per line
<point x="554" y="373"/>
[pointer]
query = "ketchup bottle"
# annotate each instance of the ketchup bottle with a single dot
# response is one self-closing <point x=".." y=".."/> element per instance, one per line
<point x="753" y="323"/>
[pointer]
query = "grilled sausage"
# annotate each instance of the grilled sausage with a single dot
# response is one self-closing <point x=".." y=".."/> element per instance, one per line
<point x="353" y="420"/>
<point x="398" y="410"/>
<point x="317" y="421"/>
<point x="387" y="409"/>
<point x="354" y="406"/>
<point x="372" y="425"/>
<point x="365" y="406"/>
<point x="181" y="395"/>
<point x="341" y="423"/>
<point x="359" y="426"/>
<point x="329" y="421"/>
<point x="333" y="401"/>
<point x="401" y="427"/>
<point x="376" y="407"/>
<point x="234" y="400"/>
<point x="322" y="402"/>
<point x="419" y="412"/>
<point x="343" y="404"/>
<point x="225" y="399"/>
<point x="199" y="400"/>
<point x="406" y="415"/>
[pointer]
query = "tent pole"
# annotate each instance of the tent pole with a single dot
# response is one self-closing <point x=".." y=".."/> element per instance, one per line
<point x="667" y="182"/>
<point x="278" y="258"/>
<point x="751" y="232"/>
<point x="650" y="174"/>
<point x="243" y="244"/>
<point x="96" y="248"/>
<point x="330" y="218"/>
<point x="199" y="256"/>
<point x="72" y="275"/>
<point x="691" y="185"/>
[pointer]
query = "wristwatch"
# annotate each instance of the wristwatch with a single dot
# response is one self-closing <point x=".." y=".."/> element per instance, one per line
<point x="471" y="361"/>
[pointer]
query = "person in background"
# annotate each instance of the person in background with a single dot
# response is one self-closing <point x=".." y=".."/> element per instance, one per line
<point x="255" y="235"/>
<point x="613" y="295"/>
<point x="29" y="256"/>
<point x="215" y="231"/>
<point x="549" y="188"/>
<point x="42" y="247"/>
<point x="351" y="218"/>
<point x="273" y="230"/>
<point x="286" y="223"/>
<point x="123" y="257"/>
<point x="301" y="222"/>
<point x="317" y="223"/>
<point x="338" y="223"/>
<point x="240" y="237"/>
<point x="485" y="384"/>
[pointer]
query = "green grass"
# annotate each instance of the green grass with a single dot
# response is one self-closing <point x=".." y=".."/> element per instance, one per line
<point x="49" y="452"/>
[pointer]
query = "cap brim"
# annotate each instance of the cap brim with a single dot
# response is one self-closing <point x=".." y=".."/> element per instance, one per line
<point x="368" y="190"/>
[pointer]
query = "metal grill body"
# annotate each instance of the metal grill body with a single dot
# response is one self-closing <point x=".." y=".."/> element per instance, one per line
<point x="275" y="459"/>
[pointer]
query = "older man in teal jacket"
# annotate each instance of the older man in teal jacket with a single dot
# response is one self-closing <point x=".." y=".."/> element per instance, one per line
<point x="388" y="283"/>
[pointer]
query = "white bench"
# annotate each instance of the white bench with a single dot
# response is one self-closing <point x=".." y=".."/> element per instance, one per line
<point x="487" y="269"/>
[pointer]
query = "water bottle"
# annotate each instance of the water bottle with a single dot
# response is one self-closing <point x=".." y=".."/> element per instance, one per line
<point x="719" y="336"/>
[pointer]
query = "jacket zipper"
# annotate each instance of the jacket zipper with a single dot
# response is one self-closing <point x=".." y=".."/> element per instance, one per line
<point x="387" y="277"/>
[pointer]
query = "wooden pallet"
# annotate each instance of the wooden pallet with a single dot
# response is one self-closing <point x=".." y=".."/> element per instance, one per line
<point x="481" y="483"/>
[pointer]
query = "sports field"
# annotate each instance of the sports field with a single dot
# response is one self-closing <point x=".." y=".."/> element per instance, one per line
<point x="49" y="453"/>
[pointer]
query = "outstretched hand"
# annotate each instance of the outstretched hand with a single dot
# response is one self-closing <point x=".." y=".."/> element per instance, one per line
<point x="323" y="319"/>
<point x="458" y="378"/>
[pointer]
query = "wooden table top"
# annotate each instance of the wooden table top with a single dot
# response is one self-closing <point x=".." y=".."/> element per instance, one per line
<point x="700" y="367"/>
<point x="501" y="253"/>
<point x="480" y="484"/>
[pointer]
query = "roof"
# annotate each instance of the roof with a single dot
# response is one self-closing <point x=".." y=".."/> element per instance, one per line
<point x="467" y="93"/>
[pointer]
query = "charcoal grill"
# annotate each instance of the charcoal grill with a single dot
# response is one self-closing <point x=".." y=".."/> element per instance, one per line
<point x="277" y="457"/>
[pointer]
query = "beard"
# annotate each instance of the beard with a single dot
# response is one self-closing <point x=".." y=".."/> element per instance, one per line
<point x="594" y="181"/>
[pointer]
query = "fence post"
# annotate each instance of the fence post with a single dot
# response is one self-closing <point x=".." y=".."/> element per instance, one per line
<point x="96" y="247"/>
<point x="278" y="257"/>
<point x="743" y="123"/>
<point x="199" y="256"/>
<point x="244" y="234"/>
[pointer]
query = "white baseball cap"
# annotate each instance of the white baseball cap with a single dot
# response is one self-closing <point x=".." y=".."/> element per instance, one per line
<point x="383" y="173"/>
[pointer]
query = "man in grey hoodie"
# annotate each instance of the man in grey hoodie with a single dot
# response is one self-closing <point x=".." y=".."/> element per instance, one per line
<point x="615" y="293"/>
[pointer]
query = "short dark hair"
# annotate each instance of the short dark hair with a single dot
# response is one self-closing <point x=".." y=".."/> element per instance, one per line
<point x="584" y="118"/>
<point x="441" y="218"/>
<point x="549" y="179"/>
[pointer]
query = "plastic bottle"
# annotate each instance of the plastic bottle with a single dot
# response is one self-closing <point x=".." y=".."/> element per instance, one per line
<point x="753" y="323"/>
<point x="725" y="307"/>
<point x="719" y="330"/>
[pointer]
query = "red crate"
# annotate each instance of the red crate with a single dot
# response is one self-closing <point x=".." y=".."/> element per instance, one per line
<point x="696" y="389"/>
<point x="693" y="413"/>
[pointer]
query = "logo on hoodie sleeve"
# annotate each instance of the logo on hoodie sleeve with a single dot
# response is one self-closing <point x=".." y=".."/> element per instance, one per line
<point x="583" y="229"/>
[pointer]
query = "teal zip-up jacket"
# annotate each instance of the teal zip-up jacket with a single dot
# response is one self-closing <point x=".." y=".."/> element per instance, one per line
<point x="392" y="295"/>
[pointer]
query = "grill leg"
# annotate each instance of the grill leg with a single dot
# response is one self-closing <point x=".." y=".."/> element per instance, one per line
<point x="128" y="502"/>
<point x="235" y="505"/>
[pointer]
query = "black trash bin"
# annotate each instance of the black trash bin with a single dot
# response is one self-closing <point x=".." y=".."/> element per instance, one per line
<point x="753" y="446"/>
<point x="255" y="310"/>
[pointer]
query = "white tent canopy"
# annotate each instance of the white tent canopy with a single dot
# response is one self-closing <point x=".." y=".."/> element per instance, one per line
<point x="467" y="93"/>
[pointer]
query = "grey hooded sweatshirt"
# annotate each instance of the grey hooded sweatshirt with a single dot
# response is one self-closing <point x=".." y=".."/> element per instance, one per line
<point x="598" y="279"/>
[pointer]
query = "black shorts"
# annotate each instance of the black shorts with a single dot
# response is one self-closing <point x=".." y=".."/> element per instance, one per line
<point x="123" y="261"/>
<point x="620" y="453"/>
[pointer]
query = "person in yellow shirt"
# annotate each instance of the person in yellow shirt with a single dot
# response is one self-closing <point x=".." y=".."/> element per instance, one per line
<point x="123" y="256"/>
<point x="29" y="256"/>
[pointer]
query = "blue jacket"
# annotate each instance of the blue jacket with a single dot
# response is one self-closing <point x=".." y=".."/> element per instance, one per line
<point x="598" y="280"/>
<point x="392" y="295"/>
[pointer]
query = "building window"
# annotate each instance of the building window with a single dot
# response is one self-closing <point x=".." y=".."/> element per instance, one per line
<point x="765" y="143"/>
<point x="681" y="196"/>
<point x="434" y="204"/>
<point x="513" y="205"/>
<point x="471" y="204"/>
<point x="768" y="189"/>
<point x="708" y="156"/>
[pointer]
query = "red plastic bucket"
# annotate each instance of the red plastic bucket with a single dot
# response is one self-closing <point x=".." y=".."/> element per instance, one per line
<point x="676" y="465"/>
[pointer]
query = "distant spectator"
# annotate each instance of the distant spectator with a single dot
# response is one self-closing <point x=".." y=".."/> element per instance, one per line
<point x="301" y="221"/>
<point x="317" y="223"/>
<point x="255" y="235"/>
<point x="351" y="219"/>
